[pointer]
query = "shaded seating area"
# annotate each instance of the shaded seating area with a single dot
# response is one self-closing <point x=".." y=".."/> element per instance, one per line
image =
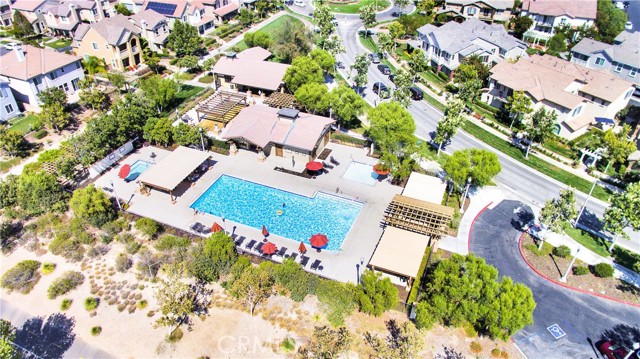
<point x="418" y="216"/>
<point x="219" y="109"/>
<point x="281" y="100"/>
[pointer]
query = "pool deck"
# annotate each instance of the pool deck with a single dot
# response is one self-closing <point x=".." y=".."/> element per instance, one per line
<point x="340" y="265"/>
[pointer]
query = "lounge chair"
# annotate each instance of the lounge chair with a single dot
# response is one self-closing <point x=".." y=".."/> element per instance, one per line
<point x="315" y="264"/>
<point x="250" y="245"/>
<point x="326" y="165"/>
<point x="334" y="161"/>
<point x="281" y="251"/>
<point x="240" y="240"/>
<point x="304" y="260"/>
<point x="293" y="256"/>
<point x="259" y="247"/>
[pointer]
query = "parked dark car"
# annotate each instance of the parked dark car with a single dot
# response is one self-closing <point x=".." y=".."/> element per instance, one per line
<point x="379" y="87"/>
<point x="384" y="69"/>
<point x="366" y="33"/>
<point x="396" y="14"/>
<point x="374" y="58"/>
<point x="416" y="93"/>
<point x="392" y="78"/>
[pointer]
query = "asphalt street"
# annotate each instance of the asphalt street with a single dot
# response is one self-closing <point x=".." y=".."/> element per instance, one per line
<point x="584" y="318"/>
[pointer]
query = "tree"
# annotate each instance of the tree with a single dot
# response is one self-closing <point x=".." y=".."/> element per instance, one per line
<point x="520" y="25"/>
<point x="184" y="39"/>
<point x="313" y="97"/>
<point x="426" y="6"/>
<point x="209" y="63"/>
<point x="326" y="343"/>
<point x="401" y="94"/>
<point x="450" y="122"/>
<point x="618" y="145"/>
<point x="186" y="135"/>
<point x="213" y="257"/>
<point x="386" y="42"/>
<point x="368" y="16"/>
<point x="557" y="43"/>
<point x="402" y="342"/>
<point x="161" y="92"/>
<point x="21" y="27"/>
<point x="469" y="82"/>
<point x="22" y="277"/>
<point x="479" y="165"/>
<point x="347" y="105"/>
<point x="540" y="126"/>
<point x="93" y="97"/>
<point x="292" y="40"/>
<point x="122" y="9"/>
<point x="10" y="141"/>
<point x="7" y="336"/>
<point x="464" y="289"/>
<point x="417" y="63"/>
<point x="558" y="211"/>
<point x="518" y="106"/>
<point x="151" y="59"/>
<point x="610" y="21"/>
<point x="324" y="59"/>
<point x="40" y="192"/>
<point x="159" y="131"/>
<point x="258" y="38"/>
<point x="252" y="287"/>
<point x="623" y="212"/>
<point x="391" y="127"/>
<point x="324" y="20"/>
<point x="117" y="80"/>
<point x="333" y="44"/>
<point x="302" y="71"/>
<point x="149" y="263"/>
<point x="189" y="62"/>
<point x="402" y="3"/>
<point x="175" y="301"/>
<point x="475" y="61"/>
<point x="53" y="105"/>
<point x="246" y="17"/>
<point x="376" y="294"/>
<point x="396" y="31"/>
<point x="92" y="205"/>
<point x="93" y="65"/>
<point x="361" y="65"/>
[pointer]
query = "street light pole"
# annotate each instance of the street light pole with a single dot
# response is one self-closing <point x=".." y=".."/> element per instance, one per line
<point x="117" y="197"/>
<point x="584" y="205"/>
<point x="201" y="138"/>
<point x="464" y="197"/>
<point x="564" y="277"/>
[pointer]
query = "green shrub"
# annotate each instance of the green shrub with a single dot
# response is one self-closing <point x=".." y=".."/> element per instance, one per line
<point x="67" y="246"/>
<point x="95" y="331"/>
<point x="133" y="247"/>
<point x="22" y="277"/>
<point x="288" y="345"/>
<point x="142" y="304"/>
<point x="169" y="242"/>
<point x="207" y="79"/>
<point x="545" y="251"/>
<point x="123" y="262"/>
<point x="337" y="299"/>
<point x="91" y="303"/>
<point x="348" y="139"/>
<point x="175" y="336"/>
<point x="116" y="227"/>
<point x="376" y="294"/>
<point x="66" y="304"/>
<point x="219" y="143"/>
<point x="470" y="330"/>
<point x="415" y="287"/>
<point x="475" y="347"/>
<point x="603" y="270"/>
<point x="580" y="270"/>
<point x="443" y="76"/>
<point x="296" y="280"/>
<point x="562" y="251"/>
<point x="148" y="227"/>
<point x="68" y="281"/>
<point x="38" y="135"/>
<point x="495" y="352"/>
<point x="47" y="268"/>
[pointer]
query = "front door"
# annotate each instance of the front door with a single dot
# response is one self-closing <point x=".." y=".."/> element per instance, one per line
<point x="279" y="152"/>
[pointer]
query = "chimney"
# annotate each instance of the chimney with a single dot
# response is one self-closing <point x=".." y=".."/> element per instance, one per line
<point x="100" y="15"/>
<point x="19" y="53"/>
<point x="74" y="13"/>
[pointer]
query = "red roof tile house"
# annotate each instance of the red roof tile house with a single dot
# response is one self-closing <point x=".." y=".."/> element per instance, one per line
<point x="281" y="132"/>
<point x="249" y="71"/>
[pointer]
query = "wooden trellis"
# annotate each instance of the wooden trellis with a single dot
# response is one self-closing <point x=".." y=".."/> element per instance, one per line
<point x="418" y="216"/>
<point x="280" y="100"/>
<point x="221" y="107"/>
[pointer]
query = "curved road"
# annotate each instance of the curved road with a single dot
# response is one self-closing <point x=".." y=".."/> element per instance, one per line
<point x="585" y="318"/>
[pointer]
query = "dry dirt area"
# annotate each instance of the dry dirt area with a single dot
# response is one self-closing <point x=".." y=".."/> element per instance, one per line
<point x="554" y="267"/>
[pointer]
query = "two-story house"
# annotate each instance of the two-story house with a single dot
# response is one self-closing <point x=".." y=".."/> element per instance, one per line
<point x="30" y="70"/>
<point x="576" y="93"/>
<point x="8" y="106"/>
<point x="153" y="27"/>
<point x="194" y="13"/>
<point x="115" y="40"/>
<point x="485" y="10"/>
<point x="547" y="14"/>
<point x="622" y="59"/>
<point x="32" y="11"/>
<point x="6" y="15"/>
<point x="63" y="17"/>
<point x="446" y="46"/>
<point x="135" y="6"/>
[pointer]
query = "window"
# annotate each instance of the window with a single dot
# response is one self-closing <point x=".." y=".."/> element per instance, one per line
<point x="633" y="72"/>
<point x="619" y="68"/>
<point x="563" y="21"/>
<point x="53" y="75"/>
<point x="65" y="87"/>
<point x="106" y="46"/>
<point x="3" y="93"/>
<point x="600" y="61"/>
<point x="472" y="11"/>
<point x="64" y="19"/>
<point x="493" y="51"/>
<point x="95" y="45"/>
<point x="503" y="52"/>
<point x="78" y="66"/>
<point x="9" y="108"/>
<point x="577" y="111"/>
<point x="62" y="69"/>
<point x="37" y="80"/>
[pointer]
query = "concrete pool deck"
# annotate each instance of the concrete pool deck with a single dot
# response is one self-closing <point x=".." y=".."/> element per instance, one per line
<point x="340" y="265"/>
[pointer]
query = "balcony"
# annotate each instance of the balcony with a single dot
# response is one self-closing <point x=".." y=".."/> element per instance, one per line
<point x="134" y="49"/>
<point x="124" y="52"/>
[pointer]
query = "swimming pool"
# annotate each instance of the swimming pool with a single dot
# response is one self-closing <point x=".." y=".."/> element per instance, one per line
<point x="361" y="172"/>
<point x="255" y="205"/>
<point x="137" y="168"/>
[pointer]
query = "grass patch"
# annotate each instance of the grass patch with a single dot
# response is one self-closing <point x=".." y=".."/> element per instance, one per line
<point x="186" y="93"/>
<point x="354" y="8"/>
<point x="240" y="46"/>
<point x="433" y="79"/>
<point x="59" y="44"/>
<point x="588" y="240"/>
<point x="545" y="251"/>
<point x="434" y="102"/>
<point x="625" y="258"/>
<point x="207" y="79"/>
<point x="23" y="124"/>
<point x="534" y="162"/>
<point x="558" y="147"/>
<point x="271" y="28"/>
<point x="5" y="166"/>
<point x="369" y="44"/>
<point x="186" y="76"/>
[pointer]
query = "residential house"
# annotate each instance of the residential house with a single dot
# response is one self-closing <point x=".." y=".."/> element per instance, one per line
<point x="194" y="13"/>
<point x="29" y="70"/>
<point x="135" y="6"/>
<point x="622" y="59"/>
<point x="6" y="15"/>
<point x="154" y="28"/>
<point x="547" y="14"/>
<point x="32" y="11"/>
<point x="8" y="106"/>
<point x="249" y="70"/>
<point x="446" y="46"/>
<point x="282" y="132"/>
<point x="115" y="40"/>
<point x="485" y="10"/>
<point x="222" y="9"/>
<point x="578" y="94"/>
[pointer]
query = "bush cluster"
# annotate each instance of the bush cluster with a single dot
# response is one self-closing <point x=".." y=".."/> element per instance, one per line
<point x="148" y="227"/>
<point x="91" y="303"/>
<point x="68" y="281"/>
<point x="603" y="270"/>
<point x="562" y="251"/>
<point x="22" y="277"/>
<point x="580" y="270"/>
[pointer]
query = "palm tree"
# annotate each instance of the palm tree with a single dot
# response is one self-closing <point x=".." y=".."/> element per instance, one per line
<point x="94" y="65"/>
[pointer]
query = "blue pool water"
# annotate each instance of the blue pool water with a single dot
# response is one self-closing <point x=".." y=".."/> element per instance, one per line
<point x="256" y="205"/>
<point x="137" y="168"/>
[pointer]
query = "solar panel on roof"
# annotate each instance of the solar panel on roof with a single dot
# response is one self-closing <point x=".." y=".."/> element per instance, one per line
<point x="162" y="8"/>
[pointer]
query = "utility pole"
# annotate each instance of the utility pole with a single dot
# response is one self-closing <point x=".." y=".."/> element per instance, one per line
<point x="564" y="277"/>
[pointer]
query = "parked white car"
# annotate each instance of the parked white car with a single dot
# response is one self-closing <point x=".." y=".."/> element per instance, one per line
<point x="11" y="45"/>
<point x="628" y="25"/>
<point x="299" y="3"/>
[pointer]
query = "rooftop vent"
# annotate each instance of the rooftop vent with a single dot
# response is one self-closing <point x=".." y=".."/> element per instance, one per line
<point x="288" y="113"/>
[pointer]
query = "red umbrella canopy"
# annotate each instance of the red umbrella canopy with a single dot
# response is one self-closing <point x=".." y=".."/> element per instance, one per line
<point x="124" y="171"/>
<point x="380" y="169"/>
<point x="264" y="231"/>
<point x="314" y="166"/>
<point x="216" y="227"/>
<point x="319" y="240"/>
<point x="302" y="248"/>
<point x="269" y="248"/>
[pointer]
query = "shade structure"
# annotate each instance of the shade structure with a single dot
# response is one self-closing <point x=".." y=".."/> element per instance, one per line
<point x="314" y="166"/>
<point x="319" y="240"/>
<point x="216" y="227"/>
<point x="265" y="232"/>
<point x="124" y="171"/>
<point x="269" y="248"/>
<point x="302" y="248"/>
<point x="380" y="169"/>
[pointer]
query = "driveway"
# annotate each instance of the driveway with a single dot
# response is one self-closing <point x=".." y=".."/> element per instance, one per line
<point x="584" y="318"/>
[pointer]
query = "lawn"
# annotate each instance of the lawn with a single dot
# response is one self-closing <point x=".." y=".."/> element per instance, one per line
<point x="186" y="94"/>
<point x="7" y="165"/>
<point x="534" y="162"/>
<point x="433" y="79"/>
<point x="58" y="44"/>
<point x="270" y="28"/>
<point x="369" y="44"/>
<point x="354" y="7"/>
<point x="588" y="240"/>
<point x="434" y="102"/>
<point x="23" y="124"/>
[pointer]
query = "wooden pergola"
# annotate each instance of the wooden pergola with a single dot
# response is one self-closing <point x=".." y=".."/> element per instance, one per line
<point x="220" y="108"/>
<point x="280" y="100"/>
<point x="418" y="216"/>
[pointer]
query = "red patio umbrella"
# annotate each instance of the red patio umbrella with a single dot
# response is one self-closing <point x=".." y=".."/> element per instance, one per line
<point x="302" y="248"/>
<point x="124" y="171"/>
<point x="264" y="231"/>
<point x="314" y="166"/>
<point x="269" y="248"/>
<point x="380" y="169"/>
<point x="216" y="227"/>
<point x="319" y="240"/>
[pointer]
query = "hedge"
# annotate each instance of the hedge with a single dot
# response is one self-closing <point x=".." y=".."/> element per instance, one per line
<point x="40" y="134"/>
<point x="413" y="294"/>
<point x="340" y="137"/>
<point x="603" y="270"/>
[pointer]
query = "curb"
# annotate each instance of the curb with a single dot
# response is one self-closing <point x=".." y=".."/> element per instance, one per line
<point x="566" y="285"/>
<point x="474" y="222"/>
